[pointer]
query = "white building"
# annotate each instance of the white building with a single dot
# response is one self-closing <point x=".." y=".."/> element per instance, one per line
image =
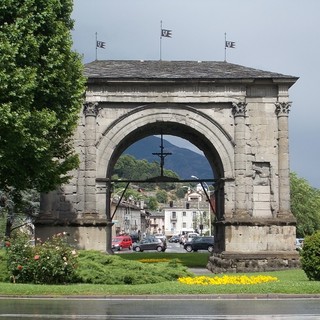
<point x="130" y="217"/>
<point x="188" y="215"/>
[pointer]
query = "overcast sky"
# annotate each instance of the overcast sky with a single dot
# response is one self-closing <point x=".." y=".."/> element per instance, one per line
<point x="274" y="35"/>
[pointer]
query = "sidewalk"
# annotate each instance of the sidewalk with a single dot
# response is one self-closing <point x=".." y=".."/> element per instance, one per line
<point x="200" y="271"/>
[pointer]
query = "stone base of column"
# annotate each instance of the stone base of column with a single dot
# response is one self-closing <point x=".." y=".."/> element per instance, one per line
<point x="82" y="234"/>
<point x="236" y="262"/>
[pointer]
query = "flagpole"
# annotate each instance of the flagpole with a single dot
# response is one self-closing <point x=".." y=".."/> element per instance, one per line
<point x="160" y="40"/>
<point x="96" y="46"/>
<point x="225" y="47"/>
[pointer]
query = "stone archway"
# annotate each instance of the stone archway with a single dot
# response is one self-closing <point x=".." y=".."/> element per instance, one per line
<point x="236" y="115"/>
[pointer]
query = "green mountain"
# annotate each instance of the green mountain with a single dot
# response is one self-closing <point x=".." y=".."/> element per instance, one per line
<point x="184" y="162"/>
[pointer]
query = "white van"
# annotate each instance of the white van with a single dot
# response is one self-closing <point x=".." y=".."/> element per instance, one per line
<point x="191" y="235"/>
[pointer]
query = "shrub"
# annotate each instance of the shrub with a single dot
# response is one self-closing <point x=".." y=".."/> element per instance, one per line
<point x="310" y="256"/>
<point x="98" y="268"/>
<point x="4" y="273"/>
<point x="51" y="262"/>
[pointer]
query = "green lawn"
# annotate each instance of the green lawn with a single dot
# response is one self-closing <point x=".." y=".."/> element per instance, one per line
<point x="290" y="282"/>
<point x="190" y="260"/>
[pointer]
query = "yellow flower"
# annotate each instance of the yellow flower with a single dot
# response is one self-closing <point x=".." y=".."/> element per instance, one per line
<point x="153" y="260"/>
<point x="203" y="280"/>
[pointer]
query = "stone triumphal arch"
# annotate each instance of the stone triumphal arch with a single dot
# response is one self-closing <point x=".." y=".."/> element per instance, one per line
<point x="237" y="116"/>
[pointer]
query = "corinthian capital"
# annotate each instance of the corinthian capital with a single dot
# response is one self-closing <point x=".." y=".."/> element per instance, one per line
<point x="239" y="109"/>
<point x="91" y="108"/>
<point x="282" y="108"/>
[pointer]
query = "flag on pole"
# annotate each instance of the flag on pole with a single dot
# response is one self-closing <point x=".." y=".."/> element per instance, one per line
<point x="166" y="33"/>
<point x="101" y="44"/>
<point x="230" y="44"/>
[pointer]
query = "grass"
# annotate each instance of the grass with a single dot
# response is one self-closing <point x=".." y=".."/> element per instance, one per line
<point x="290" y="282"/>
<point x="190" y="260"/>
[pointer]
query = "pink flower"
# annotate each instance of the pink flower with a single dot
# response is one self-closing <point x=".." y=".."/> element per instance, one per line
<point x="7" y="244"/>
<point x="19" y="267"/>
<point x="36" y="257"/>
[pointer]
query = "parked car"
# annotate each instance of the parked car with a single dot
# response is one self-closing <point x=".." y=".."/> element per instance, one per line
<point x="299" y="243"/>
<point x="188" y="237"/>
<point x="121" y="242"/>
<point x="175" y="239"/>
<point x="191" y="235"/>
<point x="150" y="243"/>
<point x="200" y="243"/>
<point x="161" y="237"/>
<point x="135" y="237"/>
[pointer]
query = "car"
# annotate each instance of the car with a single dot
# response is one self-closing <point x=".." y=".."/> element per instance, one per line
<point x="175" y="239"/>
<point x="150" y="243"/>
<point x="135" y="237"/>
<point x="121" y="242"/>
<point x="160" y="236"/>
<point x="191" y="235"/>
<point x="200" y="243"/>
<point x="299" y="243"/>
<point x="188" y="237"/>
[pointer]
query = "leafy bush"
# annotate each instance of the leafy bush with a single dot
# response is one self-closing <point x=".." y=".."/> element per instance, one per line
<point x="4" y="273"/>
<point x="98" y="268"/>
<point x="310" y="256"/>
<point x="51" y="262"/>
<point x="55" y="262"/>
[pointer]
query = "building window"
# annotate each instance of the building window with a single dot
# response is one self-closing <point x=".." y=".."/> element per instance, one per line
<point x="184" y="225"/>
<point x="184" y="214"/>
<point x="173" y="215"/>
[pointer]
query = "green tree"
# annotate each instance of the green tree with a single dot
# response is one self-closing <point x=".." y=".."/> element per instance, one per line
<point x="13" y="216"/>
<point x="162" y="196"/>
<point x="153" y="203"/>
<point x="127" y="167"/>
<point x="41" y="92"/>
<point x="310" y="257"/>
<point x="305" y="205"/>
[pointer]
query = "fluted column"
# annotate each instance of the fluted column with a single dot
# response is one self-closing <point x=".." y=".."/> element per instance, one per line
<point x="239" y="113"/>
<point x="282" y="111"/>
<point x="90" y="111"/>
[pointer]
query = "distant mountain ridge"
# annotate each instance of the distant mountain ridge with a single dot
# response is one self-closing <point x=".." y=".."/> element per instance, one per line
<point x="184" y="162"/>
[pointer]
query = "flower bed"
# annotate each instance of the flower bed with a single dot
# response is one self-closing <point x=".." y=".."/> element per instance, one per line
<point x="203" y="280"/>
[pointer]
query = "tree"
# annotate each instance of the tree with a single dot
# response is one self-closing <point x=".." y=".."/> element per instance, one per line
<point x="310" y="258"/>
<point x="305" y="205"/>
<point x="162" y="196"/>
<point x="127" y="167"/>
<point x="153" y="203"/>
<point x="41" y="90"/>
<point x="20" y="214"/>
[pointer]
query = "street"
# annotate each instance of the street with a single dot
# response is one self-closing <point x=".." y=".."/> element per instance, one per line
<point x="188" y="307"/>
<point x="171" y="247"/>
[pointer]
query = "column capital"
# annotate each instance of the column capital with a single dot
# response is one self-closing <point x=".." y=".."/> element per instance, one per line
<point x="91" y="109"/>
<point x="282" y="108"/>
<point x="239" y="109"/>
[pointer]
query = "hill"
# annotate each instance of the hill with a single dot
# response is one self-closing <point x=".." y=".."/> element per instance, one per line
<point x="183" y="161"/>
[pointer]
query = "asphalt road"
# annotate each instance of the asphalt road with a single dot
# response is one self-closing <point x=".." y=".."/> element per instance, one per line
<point x="189" y="307"/>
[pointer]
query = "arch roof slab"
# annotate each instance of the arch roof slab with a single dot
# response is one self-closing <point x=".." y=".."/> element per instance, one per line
<point x="150" y="70"/>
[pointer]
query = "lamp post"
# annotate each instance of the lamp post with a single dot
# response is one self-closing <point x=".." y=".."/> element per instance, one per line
<point x="209" y="215"/>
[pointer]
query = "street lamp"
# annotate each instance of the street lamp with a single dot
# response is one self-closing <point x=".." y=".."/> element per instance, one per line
<point x="208" y="197"/>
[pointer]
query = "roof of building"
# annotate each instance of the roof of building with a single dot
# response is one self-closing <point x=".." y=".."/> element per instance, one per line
<point x="175" y="70"/>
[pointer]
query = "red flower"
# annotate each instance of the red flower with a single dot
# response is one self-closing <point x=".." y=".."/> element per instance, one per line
<point x="7" y="244"/>
<point x="36" y="257"/>
<point x="19" y="267"/>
